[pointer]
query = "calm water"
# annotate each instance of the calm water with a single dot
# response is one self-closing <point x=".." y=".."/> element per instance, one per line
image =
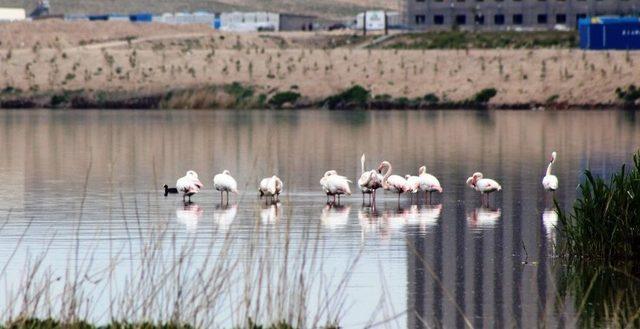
<point x="81" y="188"/>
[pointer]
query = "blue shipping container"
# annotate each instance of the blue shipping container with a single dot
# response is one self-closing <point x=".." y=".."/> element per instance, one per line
<point x="600" y="33"/>
<point x="141" y="17"/>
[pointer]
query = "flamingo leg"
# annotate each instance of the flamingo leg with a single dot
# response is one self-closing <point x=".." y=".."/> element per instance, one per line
<point x="183" y="197"/>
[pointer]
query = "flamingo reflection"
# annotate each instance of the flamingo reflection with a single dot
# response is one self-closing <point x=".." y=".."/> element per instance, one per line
<point x="369" y="219"/>
<point x="550" y="221"/>
<point x="335" y="217"/>
<point x="484" y="217"/>
<point x="270" y="214"/>
<point x="424" y="217"/>
<point x="188" y="215"/>
<point x="224" y="215"/>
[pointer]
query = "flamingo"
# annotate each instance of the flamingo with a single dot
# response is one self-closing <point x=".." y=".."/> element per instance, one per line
<point x="271" y="187"/>
<point x="369" y="182"/>
<point x="189" y="184"/>
<point x="224" y="182"/>
<point x="428" y="182"/>
<point x="483" y="185"/>
<point x="550" y="182"/>
<point x="392" y="183"/>
<point x="413" y="184"/>
<point x="334" y="184"/>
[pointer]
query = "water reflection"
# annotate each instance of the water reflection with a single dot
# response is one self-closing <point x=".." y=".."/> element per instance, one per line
<point x="369" y="220"/>
<point x="550" y="221"/>
<point x="335" y="216"/>
<point x="224" y="215"/>
<point x="424" y="217"/>
<point x="484" y="218"/>
<point x="447" y="265"/>
<point x="270" y="214"/>
<point x="605" y="296"/>
<point x="188" y="214"/>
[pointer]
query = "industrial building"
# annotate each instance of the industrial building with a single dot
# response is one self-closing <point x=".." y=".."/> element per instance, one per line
<point x="511" y="14"/>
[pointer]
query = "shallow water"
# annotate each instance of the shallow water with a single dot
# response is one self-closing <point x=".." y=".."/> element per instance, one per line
<point x="82" y="187"/>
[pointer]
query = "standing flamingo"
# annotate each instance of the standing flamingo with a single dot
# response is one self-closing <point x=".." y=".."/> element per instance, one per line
<point x="550" y="182"/>
<point x="428" y="182"/>
<point x="483" y="185"/>
<point x="369" y="182"/>
<point x="413" y="185"/>
<point x="392" y="183"/>
<point x="189" y="185"/>
<point x="271" y="187"/>
<point x="334" y="184"/>
<point x="225" y="183"/>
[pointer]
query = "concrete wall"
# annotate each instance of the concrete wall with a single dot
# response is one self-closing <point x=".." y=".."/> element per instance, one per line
<point x="488" y="14"/>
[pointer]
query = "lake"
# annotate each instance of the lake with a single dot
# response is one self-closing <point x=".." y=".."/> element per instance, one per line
<point x="85" y="229"/>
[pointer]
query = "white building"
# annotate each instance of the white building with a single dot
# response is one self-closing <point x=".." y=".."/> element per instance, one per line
<point x="12" y="14"/>
<point x="250" y="21"/>
<point x="376" y="20"/>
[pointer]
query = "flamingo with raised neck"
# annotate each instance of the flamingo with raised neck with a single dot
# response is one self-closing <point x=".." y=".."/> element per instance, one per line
<point x="550" y="181"/>
<point x="392" y="183"/>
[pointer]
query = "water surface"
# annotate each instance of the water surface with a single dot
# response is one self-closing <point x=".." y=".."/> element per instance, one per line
<point x="82" y="188"/>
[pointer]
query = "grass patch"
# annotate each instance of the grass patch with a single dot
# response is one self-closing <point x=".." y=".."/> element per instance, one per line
<point x="605" y="222"/>
<point x="483" y="40"/>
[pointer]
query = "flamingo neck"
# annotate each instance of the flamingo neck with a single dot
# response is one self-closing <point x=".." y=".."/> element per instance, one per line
<point x="387" y="173"/>
<point x="549" y="168"/>
<point x="362" y="163"/>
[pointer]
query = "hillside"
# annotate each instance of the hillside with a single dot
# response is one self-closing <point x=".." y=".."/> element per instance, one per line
<point x="331" y="9"/>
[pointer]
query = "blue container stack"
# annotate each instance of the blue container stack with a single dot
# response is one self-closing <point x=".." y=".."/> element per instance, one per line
<point x="602" y="33"/>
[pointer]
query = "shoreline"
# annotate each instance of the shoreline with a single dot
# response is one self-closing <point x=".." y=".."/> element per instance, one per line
<point x="174" y="100"/>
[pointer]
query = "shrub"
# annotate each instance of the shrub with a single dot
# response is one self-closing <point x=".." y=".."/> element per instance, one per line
<point x="242" y="94"/>
<point x="281" y="98"/>
<point x="431" y="98"/>
<point x="605" y="223"/>
<point x="356" y="96"/>
<point x="484" y="95"/>
<point x="59" y="99"/>
<point x="383" y="97"/>
<point x="629" y="94"/>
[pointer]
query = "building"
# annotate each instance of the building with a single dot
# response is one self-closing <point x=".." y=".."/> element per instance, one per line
<point x="12" y="14"/>
<point x="511" y="14"/>
<point x="293" y="22"/>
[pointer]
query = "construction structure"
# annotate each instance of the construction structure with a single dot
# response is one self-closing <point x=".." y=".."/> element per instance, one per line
<point x="510" y="14"/>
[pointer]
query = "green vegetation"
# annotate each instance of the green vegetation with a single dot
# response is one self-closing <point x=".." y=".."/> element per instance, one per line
<point x="356" y="96"/>
<point x="483" y="40"/>
<point x="628" y="95"/>
<point x="282" y="98"/>
<point x="484" y="96"/>
<point x="605" y="223"/>
<point x="431" y="98"/>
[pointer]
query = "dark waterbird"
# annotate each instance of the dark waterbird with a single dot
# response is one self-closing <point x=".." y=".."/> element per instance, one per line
<point x="169" y="190"/>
